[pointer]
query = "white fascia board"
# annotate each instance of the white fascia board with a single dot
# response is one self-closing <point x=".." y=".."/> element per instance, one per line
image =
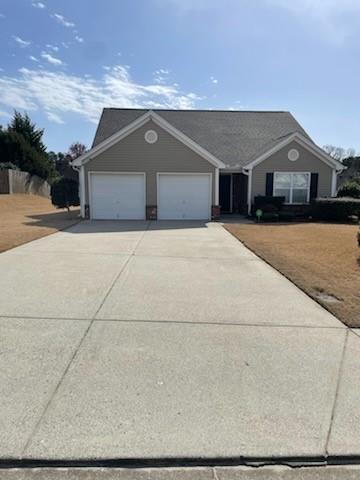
<point x="109" y="142"/>
<point x="139" y="122"/>
<point x="304" y="142"/>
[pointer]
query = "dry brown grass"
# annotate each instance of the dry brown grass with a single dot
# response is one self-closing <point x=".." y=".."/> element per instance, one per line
<point x="317" y="257"/>
<point x="26" y="217"/>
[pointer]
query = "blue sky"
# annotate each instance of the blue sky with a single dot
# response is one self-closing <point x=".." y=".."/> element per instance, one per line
<point x="63" y="61"/>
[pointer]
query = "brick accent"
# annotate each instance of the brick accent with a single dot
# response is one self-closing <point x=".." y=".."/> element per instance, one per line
<point x="215" y="212"/>
<point x="151" y="212"/>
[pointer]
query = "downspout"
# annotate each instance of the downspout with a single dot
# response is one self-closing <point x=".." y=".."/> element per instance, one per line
<point x="217" y="186"/>
<point x="334" y="176"/>
<point x="333" y="182"/>
<point x="248" y="173"/>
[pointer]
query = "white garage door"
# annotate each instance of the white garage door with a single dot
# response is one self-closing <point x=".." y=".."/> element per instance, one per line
<point x="184" y="196"/>
<point x="117" y="196"/>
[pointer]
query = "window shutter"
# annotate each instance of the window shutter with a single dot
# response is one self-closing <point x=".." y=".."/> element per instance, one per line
<point x="314" y="185"/>
<point x="269" y="184"/>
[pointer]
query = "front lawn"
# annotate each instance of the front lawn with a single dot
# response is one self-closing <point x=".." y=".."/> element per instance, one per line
<point x="27" y="217"/>
<point x="322" y="259"/>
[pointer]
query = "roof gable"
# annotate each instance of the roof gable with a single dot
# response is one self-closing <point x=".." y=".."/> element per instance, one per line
<point x="304" y="142"/>
<point x="133" y="126"/>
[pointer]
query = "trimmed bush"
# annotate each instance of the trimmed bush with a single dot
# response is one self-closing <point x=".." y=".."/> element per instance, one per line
<point x="268" y="203"/>
<point x="338" y="209"/>
<point x="65" y="193"/>
<point x="350" y="189"/>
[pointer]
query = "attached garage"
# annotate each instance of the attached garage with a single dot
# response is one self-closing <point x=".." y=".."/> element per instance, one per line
<point x="148" y="169"/>
<point x="117" y="196"/>
<point x="184" y="196"/>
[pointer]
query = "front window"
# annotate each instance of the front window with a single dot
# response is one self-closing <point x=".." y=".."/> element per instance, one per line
<point x="295" y="187"/>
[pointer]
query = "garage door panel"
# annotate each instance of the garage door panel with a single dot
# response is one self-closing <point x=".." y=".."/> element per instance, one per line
<point x="117" y="196"/>
<point x="184" y="196"/>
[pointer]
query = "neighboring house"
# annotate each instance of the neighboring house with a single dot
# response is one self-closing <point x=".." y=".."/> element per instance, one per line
<point x="195" y="164"/>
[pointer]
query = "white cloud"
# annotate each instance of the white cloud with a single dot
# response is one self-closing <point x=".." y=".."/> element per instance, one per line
<point x="54" y="117"/>
<point x="51" y="59"/>
<point x="38" y="5"/>
<point x="61" y="19"/>
<point x="34" y="59"/>
<point x="2" y="15"/>
<point x="214" y="80"/>
<point x="54" y="48"/>
<point x="161" y="75"/>
<point x="58" y="93"/>
<point x="21" y="42"/>
<point x="79" y="39"/>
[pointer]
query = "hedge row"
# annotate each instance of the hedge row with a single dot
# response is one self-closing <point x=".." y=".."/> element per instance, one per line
<point x="339" y="209"/>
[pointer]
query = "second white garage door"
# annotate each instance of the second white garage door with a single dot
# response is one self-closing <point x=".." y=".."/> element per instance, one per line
<point x="184" y="196"/>
<point x="118" y="196"/>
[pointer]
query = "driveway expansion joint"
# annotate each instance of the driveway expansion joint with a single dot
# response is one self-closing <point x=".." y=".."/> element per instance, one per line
<point x="292" y="462"/>
<point x="119" y="274"/>
<point x="178" y="322"/>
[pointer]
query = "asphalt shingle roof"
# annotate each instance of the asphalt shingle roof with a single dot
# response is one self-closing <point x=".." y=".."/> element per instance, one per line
<point x="234" y="137"/>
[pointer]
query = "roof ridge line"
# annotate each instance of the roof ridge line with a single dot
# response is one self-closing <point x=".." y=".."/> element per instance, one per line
<point x="195" y="110"/>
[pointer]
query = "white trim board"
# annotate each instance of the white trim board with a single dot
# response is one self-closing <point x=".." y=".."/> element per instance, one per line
<point x="304" y="142"/>
<point x="136" y="124"/>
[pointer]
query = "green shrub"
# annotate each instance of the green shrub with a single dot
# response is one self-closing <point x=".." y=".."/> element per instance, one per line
<point x="338" y="209"/>
<point x="287" y="215"/>
<point x="270" y="217"/>
<point x="268" y="203"/>
<point x="8" y="166"/>
<point x="350" y="189"/>
<point x="65" y="193"/>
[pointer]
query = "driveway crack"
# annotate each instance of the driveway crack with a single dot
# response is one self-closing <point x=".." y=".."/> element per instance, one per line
<point x="47" y="406"/>
<point x="340" y="372"/>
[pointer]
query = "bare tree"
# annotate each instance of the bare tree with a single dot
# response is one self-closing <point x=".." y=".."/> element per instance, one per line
<point x="76" y="149"/>
<point x="339" y="153"/>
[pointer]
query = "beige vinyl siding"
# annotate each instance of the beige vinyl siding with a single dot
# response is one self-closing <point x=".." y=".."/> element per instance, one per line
<point x="279" y="162"/>
<point x="134" y="154"/>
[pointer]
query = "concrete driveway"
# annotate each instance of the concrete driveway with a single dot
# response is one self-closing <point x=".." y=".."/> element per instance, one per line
<point x="167" y="339"/>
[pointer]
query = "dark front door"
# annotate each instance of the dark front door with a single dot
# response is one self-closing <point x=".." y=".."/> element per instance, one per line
<point x="225" y="192"/>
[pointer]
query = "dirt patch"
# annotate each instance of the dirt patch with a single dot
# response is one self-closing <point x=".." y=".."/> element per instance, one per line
<point x="27" y="217"/>
<point x="322" y="259"/>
